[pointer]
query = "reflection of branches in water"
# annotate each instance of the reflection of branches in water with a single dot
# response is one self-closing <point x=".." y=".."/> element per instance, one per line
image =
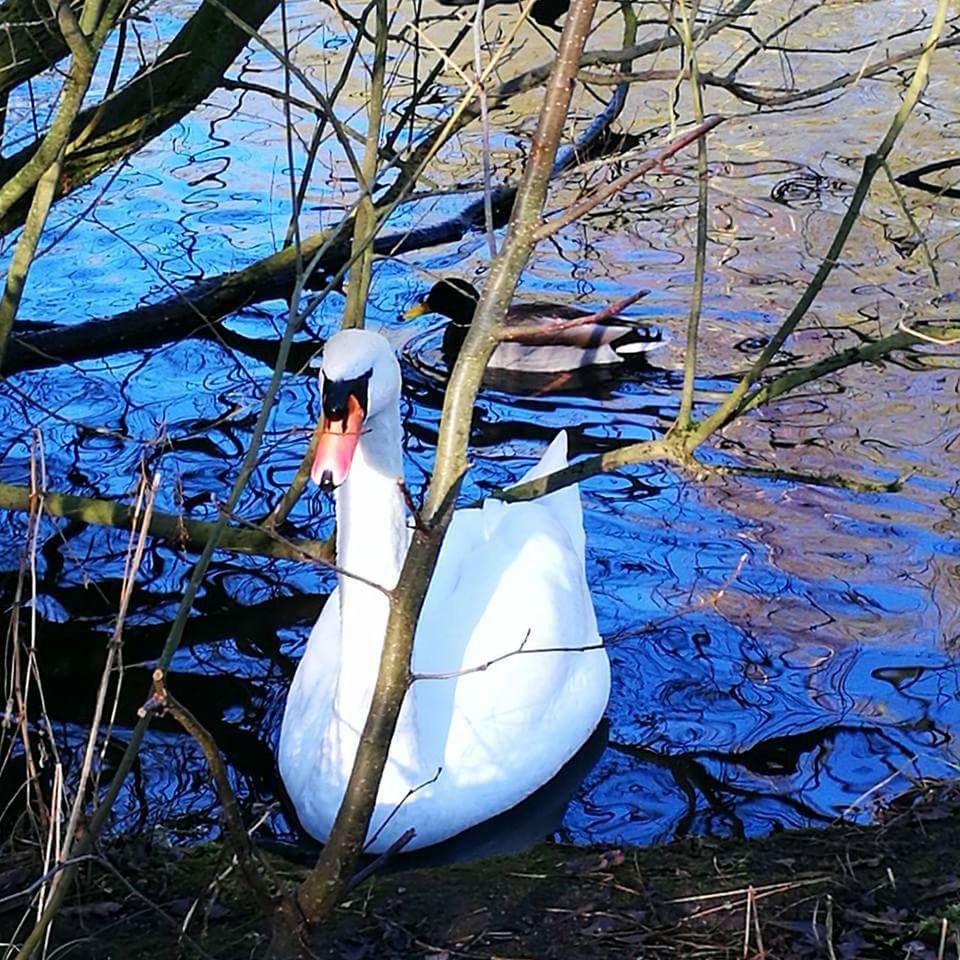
<point x="217" y="695"/>
<point x="193" y="312"/>
<point x="234" y="704"/>
<point x="775" y="98"/>
<point x="774" y="757"/>
<point x="221" y="618"/>
<point x="915" y="178"/>
<point x="765" y="42"/>
<point x="691" y="776"/>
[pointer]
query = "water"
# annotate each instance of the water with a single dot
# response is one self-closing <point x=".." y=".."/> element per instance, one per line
<point x="783" y="654"/>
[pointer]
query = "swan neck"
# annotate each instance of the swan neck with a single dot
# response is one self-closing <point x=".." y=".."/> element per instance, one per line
<point x="371" y="515"/>
<point x="372" y="538"/>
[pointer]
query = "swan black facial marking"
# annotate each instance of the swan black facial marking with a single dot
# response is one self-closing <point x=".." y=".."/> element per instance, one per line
<point x="336" y="393"/>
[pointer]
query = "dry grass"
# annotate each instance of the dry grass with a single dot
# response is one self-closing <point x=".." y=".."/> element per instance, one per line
<point x="845" y="891"/>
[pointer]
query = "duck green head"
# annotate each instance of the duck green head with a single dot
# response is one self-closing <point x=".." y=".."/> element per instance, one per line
<point x="453" y="298"/>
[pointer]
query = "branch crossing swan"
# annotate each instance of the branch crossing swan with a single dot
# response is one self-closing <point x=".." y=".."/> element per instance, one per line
<point x="509" y="582"/>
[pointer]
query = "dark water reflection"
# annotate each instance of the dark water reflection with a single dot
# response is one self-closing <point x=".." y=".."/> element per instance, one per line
<point x="783" y="654"/>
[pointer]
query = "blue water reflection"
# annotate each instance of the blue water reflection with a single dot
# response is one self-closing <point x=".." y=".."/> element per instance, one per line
<point x="783" y="654"/>
<point x="745" y="697"/>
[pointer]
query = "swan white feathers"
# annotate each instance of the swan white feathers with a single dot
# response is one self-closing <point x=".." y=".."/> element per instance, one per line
<point x="509" y="583"/>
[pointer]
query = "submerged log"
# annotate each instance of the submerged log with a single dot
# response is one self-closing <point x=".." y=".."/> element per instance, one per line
<point x="196" y="311"/>
<point x="32" y="41"/>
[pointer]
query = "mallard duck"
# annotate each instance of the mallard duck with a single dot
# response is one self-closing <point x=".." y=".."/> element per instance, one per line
<point x="545" y="12"/>
<point x="512" y="674"/>
<point x="547" y="338"/>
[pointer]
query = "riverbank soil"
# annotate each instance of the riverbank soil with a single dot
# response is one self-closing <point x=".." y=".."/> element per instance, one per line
<point x="889" y="890"/>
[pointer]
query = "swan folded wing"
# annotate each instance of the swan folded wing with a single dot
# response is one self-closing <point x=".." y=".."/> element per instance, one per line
<point x="564" y="504"/>
<point x="516" y="644"/>
<point x="505" y="623"/>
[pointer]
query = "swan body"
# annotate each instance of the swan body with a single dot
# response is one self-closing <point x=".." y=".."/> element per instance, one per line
<point x="489" y="719"/>
<point x="546" y="336"/>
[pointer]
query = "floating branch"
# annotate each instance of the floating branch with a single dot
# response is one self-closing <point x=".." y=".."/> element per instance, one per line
<point x="178" y="530"/>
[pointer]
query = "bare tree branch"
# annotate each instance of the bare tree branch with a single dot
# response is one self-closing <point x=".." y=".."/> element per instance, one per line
<point x="177" y="530"/>
<point x="872" y="164"/>
<point x="677" y="450"/>
<point x="162" y="701"/>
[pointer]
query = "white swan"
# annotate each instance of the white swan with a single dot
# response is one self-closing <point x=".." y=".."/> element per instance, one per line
<point x="510" y="577"/>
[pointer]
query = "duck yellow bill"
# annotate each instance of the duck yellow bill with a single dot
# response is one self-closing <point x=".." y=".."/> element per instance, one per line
<point x="339" y="437"/>
<point x="418" y="311"/>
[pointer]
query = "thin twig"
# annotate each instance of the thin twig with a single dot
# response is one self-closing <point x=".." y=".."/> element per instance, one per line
<point x="484" y="129"/>
<point x="747" y="908"/>
<point x="947" y="340"/>
<point x="684" y="414"/>
<point x="381" y="861"/>
<point x="583" y="207"/>
<point x="297" y="485"/>
<point x="912" y="220"/>
<point x="138" y="538"/>
<point x="761" y="952"/>
<point x="835" y="480"/>
<point x="162" y="701"/>
<point x="329" y="564"/>
<point x="366" y="223"/>
<point x="526" y="331"/>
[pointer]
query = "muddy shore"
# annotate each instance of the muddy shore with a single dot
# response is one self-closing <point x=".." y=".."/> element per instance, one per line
<point x="887" y="890"/>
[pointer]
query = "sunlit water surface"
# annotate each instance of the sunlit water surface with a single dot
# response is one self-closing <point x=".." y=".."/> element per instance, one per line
<point x="783" y="654"/>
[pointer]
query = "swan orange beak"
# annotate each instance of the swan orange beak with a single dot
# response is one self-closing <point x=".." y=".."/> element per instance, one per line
<point x="339" y="436"/>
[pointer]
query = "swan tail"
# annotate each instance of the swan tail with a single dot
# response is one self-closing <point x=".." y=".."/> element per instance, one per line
<point x="564" y="503"/>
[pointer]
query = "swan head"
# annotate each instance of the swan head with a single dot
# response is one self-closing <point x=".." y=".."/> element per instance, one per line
<point x="359" y="380"/>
